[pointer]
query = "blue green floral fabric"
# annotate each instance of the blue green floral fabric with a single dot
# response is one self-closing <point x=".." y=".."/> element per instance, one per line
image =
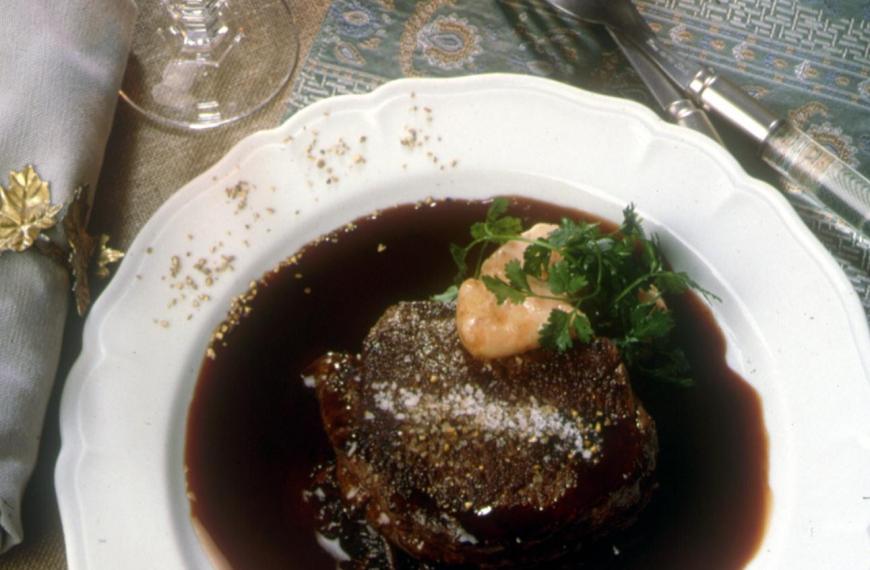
<point x="808" y="60"/>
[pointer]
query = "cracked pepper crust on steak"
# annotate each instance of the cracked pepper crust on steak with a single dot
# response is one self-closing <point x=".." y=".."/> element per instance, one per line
<point x="461" y="461"/>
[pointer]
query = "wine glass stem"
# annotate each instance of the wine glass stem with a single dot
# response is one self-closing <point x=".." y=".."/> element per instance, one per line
<point x="198" y="26"/>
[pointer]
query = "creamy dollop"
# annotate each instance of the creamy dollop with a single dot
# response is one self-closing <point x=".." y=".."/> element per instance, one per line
<point x="489" y="330"/>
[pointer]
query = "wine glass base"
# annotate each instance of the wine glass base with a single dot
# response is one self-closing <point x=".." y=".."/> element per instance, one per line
<point x="199" y="64"/>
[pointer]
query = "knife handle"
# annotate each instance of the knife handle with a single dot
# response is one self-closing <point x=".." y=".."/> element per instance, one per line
<point x="819" y="172"/>
<point x="686" y="114"/>
<point x="790" y="151"/>
<point x="727" y="99"/>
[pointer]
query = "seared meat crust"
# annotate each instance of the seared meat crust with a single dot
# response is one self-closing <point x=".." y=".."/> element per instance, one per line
<point x="506" y="462"/>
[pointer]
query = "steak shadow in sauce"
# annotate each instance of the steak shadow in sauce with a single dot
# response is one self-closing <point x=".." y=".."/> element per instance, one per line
<point x="254" y="434"/>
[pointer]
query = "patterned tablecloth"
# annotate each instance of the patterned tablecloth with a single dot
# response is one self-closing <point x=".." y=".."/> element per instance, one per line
<point x="806" y="59"/>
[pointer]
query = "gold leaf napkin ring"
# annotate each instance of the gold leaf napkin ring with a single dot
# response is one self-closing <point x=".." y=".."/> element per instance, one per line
<point x="26" y="210"/>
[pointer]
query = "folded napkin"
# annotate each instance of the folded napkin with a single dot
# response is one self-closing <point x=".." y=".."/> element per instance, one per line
<point x="60" y="66"/>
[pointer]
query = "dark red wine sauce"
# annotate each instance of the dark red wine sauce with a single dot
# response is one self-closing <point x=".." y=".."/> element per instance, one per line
<point x="254" y="434"/>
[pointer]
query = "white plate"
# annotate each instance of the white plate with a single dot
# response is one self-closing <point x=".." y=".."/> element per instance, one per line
<point x="794" y="326"/>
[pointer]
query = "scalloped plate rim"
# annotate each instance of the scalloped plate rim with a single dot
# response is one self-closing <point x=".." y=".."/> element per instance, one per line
<point x="74" y="449"/>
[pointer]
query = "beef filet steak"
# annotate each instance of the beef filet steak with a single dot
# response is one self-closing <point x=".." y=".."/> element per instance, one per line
<point x="494" y="463"/>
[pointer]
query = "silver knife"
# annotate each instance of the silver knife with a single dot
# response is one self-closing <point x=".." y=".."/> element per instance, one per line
<point x="680" y="109"/>
<point x="673" y="102"/>
<point x="783" y="146"/>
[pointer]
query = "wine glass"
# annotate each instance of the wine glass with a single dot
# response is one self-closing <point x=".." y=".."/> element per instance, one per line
<point x="197" y="64"/>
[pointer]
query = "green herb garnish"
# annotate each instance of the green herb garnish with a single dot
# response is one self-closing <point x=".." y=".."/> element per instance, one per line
<point x="613" y="281"/>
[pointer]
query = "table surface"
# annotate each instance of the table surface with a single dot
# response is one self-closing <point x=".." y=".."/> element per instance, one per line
<point x="145" y="164"/>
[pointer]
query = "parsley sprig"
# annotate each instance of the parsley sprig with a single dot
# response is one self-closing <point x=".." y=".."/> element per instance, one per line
<point x="614" y="283"/>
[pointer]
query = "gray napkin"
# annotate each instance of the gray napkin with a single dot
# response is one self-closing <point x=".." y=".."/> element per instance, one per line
<point x="61" y="65"/>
